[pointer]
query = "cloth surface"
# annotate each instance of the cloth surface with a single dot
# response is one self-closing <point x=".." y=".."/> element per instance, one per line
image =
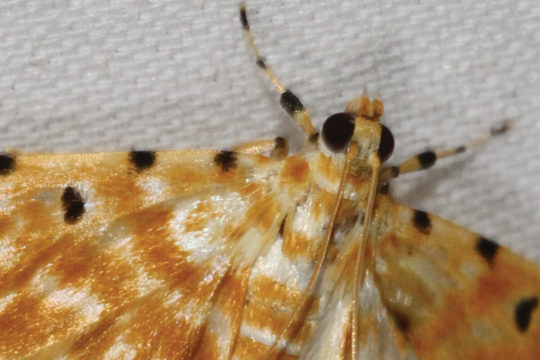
<point x="96" y="75"/>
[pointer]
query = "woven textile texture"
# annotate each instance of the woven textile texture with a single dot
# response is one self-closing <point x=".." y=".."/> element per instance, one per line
<point x="96" y="75"/>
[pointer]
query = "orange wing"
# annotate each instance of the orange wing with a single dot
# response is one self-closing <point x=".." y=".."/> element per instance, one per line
<point x="199" y="254"/>
<point x="126" y="254"/>
<point x="454" y="294"/>
<point x="154" y="255"/>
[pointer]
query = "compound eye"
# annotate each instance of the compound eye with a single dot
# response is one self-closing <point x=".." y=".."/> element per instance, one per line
<point x="386" y="144"/>
<point x="337" y="131"/>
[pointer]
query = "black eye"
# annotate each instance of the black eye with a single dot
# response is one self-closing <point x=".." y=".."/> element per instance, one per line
<point x="386" y="145"/>
<point x="337" y="131"/>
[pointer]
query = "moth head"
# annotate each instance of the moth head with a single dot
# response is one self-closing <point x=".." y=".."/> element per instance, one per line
<point x="368" y="134"/>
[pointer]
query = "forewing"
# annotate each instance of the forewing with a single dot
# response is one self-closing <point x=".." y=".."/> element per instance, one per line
<point x="454" y="294"/>
<point x="129" y="254"/>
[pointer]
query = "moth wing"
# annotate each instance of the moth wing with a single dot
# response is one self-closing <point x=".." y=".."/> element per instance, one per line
<point x="135" y="259"/>
<point x="452" y="293"/>
<point x="378" y="337"/>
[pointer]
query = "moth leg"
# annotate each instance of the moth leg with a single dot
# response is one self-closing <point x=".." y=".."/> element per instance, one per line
<point x="427" y="159"/>
<point x="365" y="107"/>
<point x="288" y="100"/>
<point x="278" y="148"/>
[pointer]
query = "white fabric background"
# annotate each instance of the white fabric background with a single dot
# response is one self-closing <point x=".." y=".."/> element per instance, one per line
<point x="96" y="75"/>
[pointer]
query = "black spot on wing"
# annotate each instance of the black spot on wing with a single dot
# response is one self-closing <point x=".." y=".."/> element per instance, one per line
<point x="142" y="159"/>
<point x="226" y="160"/>
<point x="487" y="249"/>
<point x="73" y="205"/>
<point x="282" y="227"/>
<point x="523" y="312"/>
<point x="7" y="164"/>
<point x="401" y="320"/>
<point x="422" y="221"/>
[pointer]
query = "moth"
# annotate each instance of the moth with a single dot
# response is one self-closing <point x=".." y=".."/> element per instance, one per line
<point x="251" y="253"/>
